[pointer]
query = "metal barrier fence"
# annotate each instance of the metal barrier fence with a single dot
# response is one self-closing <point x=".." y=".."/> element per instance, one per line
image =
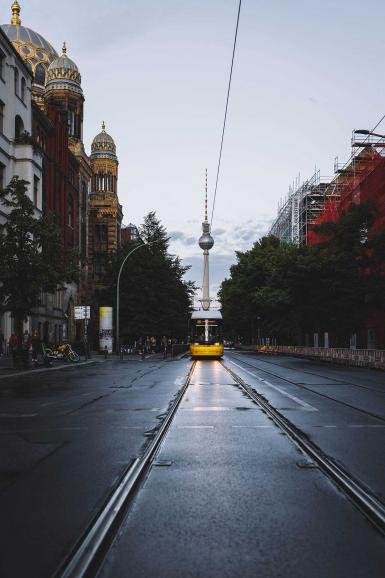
<point x="374" y="358"/>
<point x="173" y="351"/>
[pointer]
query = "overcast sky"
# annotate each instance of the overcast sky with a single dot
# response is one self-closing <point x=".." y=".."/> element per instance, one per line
<point x="306" y="74"/>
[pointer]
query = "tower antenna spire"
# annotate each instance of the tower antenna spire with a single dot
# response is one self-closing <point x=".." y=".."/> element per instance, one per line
<point x="15" y="20"/>
<point x="206" y="217"/>
<point x="206" y="243"/>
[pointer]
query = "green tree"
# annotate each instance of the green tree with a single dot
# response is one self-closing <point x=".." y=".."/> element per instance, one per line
<point x="289" y="291"/>
<point x="154" y="297"/>
<point x="341" y="281"/>
<point x="32" y="255"/>
<point x="256" y="298"/>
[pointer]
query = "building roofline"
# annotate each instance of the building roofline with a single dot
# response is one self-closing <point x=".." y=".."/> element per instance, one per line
<point x="16" y="54"/>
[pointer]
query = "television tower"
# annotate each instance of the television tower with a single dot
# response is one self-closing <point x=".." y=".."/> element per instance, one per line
<point x="206" y="242"/>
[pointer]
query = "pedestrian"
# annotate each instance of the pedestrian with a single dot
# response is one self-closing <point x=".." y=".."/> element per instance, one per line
<point x="13" y="345"/>
<point x="2" y="343"/>
<point x="36" y="347"/>
<point x="153" y="344"/>
<point x="148" y="344"/>
<point x="25" y="347"/>
<point x="163" y="343"/>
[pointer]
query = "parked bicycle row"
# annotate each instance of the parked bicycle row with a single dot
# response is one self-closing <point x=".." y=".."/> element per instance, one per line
<point x="30" y="349"/>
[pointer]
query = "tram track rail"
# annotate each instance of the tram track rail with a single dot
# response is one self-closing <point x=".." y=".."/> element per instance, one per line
<point x="306" y="372"/>
<point x="89" y="552"/>
<point x="369" y="505"/>
<point x="318" y="393"/>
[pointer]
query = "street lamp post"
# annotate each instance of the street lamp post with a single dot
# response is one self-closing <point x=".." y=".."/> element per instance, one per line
<point x="117" y="290"/>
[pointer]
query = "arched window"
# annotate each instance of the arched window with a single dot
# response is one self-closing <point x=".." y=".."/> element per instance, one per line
<point x="23" y="88"/>
<point x="19" y="126"/>
<point x="40" y="75"/>
<point x="16" y="78"/>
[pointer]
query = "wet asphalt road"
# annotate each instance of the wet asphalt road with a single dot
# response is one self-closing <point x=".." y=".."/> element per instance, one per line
<point x="229" y="494"/>
<point x="65" y="439"/>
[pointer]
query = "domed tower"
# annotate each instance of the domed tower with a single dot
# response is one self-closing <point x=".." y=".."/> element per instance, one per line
<point x="63" y="89"/>
<point x="206" y="242"/>
<point x="104" y="163"/>
<point x="33" y="48"/>
<point x="105" y="215"/>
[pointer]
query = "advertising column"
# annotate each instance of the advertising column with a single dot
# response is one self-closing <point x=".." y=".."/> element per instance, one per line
<point x="105" y="328"/>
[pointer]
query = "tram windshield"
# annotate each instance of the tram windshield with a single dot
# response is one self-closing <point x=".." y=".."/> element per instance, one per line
<point x="206" y="331"/>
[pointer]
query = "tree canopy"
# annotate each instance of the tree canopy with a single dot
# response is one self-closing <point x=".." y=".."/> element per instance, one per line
<point x="154" y="297"/>
<point x="33" y="258"/>
<point x="280" y="290"/>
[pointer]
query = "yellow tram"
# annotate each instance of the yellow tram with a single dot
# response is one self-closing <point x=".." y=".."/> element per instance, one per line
<point x="206" y="334"/>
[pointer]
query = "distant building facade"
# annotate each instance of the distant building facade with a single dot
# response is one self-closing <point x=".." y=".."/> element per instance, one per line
<point x="18" y="154"/>
<point x="41" y="140"/>
<point x="129" y="233"/>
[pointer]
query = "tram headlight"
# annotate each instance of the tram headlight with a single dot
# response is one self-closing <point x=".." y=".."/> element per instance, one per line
<point x="196" y="343"/>
<point x="216" y="343"/>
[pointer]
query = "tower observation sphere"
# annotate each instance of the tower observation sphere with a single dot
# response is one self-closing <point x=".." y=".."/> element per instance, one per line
<point x="206" y="242"/>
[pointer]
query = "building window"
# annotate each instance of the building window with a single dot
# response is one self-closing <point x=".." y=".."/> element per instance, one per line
<point x="2" y="64"/>
<point x="71" y="122"/>
<point x="2" y="175"/>
<point x="40" y="75"/>
<point x="16" y="79"/>
<point x="99" y="267"/>
<point x="19" y="126"/>
<point x="36" y="181"/>
<point x="70" y="214"/>
<point x="23" y="88"/>
<point x="1" y="116"/>
<point x="101" y="239"/>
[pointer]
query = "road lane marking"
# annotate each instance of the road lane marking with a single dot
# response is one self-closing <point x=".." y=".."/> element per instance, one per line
<point x="209" y="408"/>
<point x="195" y="427"/>
<point x="303" y="404"/>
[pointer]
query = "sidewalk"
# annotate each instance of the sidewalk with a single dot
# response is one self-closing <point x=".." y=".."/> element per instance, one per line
<point x="7" y="369"/>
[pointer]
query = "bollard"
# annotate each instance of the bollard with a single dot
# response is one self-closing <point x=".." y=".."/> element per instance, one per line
<point x="105" y="352"/>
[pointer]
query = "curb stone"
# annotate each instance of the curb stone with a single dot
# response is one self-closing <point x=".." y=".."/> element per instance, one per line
<point x="43" y="369"/>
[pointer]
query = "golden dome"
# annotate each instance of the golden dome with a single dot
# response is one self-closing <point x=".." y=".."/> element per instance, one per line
<point x="103" y="146"/>
<point x="31" y="46"/>
<point x="63" y="73"/>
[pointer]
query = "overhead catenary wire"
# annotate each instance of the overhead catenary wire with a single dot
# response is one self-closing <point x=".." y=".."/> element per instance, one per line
<point x="225" y="117"/>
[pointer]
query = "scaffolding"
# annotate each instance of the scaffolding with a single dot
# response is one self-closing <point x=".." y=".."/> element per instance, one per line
<point x="301" y="208"/>
<point x="320" y="199"/>
<point x="347" y="185"/>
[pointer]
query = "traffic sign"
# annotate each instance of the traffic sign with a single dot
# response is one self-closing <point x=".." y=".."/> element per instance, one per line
<point x="82" y="312"/>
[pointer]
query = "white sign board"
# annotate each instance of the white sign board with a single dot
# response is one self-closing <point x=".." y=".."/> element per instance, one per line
<point x="82" y="311"/>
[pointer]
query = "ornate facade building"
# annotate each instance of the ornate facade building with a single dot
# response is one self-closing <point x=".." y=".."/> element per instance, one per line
<point x="79" y="191"/>
<point x="105" y="212"/>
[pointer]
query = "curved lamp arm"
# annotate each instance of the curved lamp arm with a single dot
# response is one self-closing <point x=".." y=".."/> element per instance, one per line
<point x="117" y="289"/>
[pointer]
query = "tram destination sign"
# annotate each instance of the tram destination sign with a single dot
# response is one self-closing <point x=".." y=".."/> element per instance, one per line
<point x="82" y="312"/>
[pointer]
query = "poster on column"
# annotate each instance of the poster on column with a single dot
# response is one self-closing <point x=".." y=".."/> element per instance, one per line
<point x="105" y="328"/>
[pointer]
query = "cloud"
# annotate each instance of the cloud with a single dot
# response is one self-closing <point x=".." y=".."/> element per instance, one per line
<point x="183" y="238"/>
<point x="219" y="269"/>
